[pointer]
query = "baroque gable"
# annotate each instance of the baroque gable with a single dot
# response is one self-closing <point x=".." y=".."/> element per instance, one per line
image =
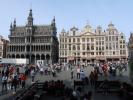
<point x="87" y="34"/>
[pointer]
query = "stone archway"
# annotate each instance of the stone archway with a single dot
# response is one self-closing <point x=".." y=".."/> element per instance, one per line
<point x="47" y="58"/>
<point x="42" y="57"/>
<point x="27" y="56"/>
<point x="33" y="59"/>
<point x="37" y="57"/>
<point x="22" y="56"/>
<point x="28" y="48"/>
<point x="13" y="55"/>
<point x="8" y="56"/>
<point x="17" y="56"/>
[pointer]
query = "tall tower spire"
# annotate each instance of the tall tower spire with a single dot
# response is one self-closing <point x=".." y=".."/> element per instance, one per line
<point x="53" y="25"/>
<point x="53" y="22"/>
<point x="14" y="24"/>
<point x="11" y="26"/>
<point x="30" y="18"/>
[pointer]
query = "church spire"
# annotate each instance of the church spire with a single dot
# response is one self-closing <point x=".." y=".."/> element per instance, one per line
<point x="53" y="25"/>
<point x="30" y="18"/>
<point x="53" y="22"/>
<point x="11" y="26"/>
<point x="14" y="24"/>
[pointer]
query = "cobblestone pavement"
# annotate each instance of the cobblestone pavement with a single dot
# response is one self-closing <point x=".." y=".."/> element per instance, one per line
<point x="65" y="76"/>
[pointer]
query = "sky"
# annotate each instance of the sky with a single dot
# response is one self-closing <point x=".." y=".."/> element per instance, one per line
<point x="68" y="13"/>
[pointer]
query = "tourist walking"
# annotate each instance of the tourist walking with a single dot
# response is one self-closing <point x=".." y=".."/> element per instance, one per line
<point x="32" y="75"/>
<point x="78" y="73"/>
<point x="4" y="82"/>
<point x="72" y="72"/>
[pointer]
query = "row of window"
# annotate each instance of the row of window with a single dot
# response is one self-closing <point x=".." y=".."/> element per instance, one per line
<point x="17" y="40"/>
<point x="99" y="42"/>
<point x="35" y="40"/>
<point x="122" y="52"/>
<point x="76" y="40"/>
<point x="112" y="38"/>
<point x="108" y="38"/>
<point x="91" y="47"/>
<point x="28" y="48"/>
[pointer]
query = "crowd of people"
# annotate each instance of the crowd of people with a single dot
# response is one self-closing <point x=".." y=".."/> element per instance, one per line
<point x="15" y="76"/>
<point x="12" y="78"/>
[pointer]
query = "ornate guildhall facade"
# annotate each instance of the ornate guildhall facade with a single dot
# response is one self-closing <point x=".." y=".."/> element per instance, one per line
<point x="92" y="44"/>
<point x="34" y="42"/>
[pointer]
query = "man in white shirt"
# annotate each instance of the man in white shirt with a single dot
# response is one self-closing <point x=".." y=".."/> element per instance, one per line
<point x="78" y="73"/>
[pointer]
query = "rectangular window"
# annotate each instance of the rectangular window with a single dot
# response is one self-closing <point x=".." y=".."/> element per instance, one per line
<point x="83" y="39"/>
<point x="83" y="53"/>
<point x="88" y="47"/>
<point x="70" y="40"/>
<point x="107" y="47"/>
<point x="99" y="48"/>
<point x="83" y="47"/>
<point x="66" y="40"/>
<point x="96" y="42"/>
<point x="99" y="42"/>
<point x="92" y="47"/>
<point x="120" y="52"/>
<point x="78" y="39"/>
<point x="69" y="46"/>
<point x="106" y="38"/>
<point x="92" y="53"/>
<point x="96" y="48"/>
<point x="116" y="38"/>
<point x="92" y="39"/>
<point x="78" y="47"/>
<point x="102" y="48"/>
<point x="123" y="46"/>
<point x="124" y="52"/>
<point x="73" y="39"/>
<point x="109" y="38"/>
<point x="65" y="53"/>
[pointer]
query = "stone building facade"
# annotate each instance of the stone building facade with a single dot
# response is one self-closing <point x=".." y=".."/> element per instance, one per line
<point x="130" y="57"/>
<point x="34" y="42"/>
<point x="90" y="45"/>
<point x="3" y="47"/>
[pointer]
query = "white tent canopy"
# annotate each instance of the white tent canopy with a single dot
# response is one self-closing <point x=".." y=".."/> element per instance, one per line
<point x="14" y="61"/>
